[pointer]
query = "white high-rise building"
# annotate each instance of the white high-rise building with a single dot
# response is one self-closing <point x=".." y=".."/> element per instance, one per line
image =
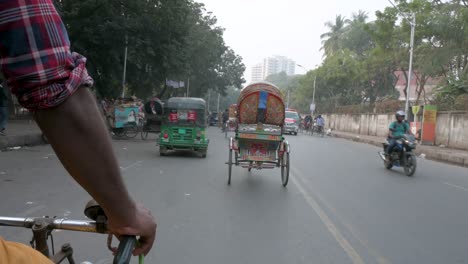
<point x="273" y="65"/>
<point x="257" y="72"/>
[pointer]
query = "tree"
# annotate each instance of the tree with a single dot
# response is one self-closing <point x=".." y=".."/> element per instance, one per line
<point x="332" y="41"/>
<point x="167" y="39"/>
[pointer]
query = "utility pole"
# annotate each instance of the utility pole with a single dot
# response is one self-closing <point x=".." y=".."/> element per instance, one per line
<point x="412" y="22"/>
<point x="209" y="100"/>
<point x="188" y="87"/>
<point x="408" y="88"/>
<point x="125" y="67"/>
<point x="218" y="103"/>
<point x="313" y="94"/>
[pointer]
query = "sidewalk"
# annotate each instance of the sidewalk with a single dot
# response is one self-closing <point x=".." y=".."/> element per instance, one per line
<point x="21" y="133"/>
<point x="452" y="156"/>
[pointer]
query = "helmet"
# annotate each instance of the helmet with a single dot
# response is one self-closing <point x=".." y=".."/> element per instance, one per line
<point x="400" y="113"/>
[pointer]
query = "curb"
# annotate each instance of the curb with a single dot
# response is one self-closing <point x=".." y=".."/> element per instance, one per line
<point x="430" y="154"/>
<point x="24" y="140"/>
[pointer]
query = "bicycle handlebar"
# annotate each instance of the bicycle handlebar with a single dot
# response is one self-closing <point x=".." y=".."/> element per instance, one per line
<point x="124" y="251"/>
<point x="55" y="223"/>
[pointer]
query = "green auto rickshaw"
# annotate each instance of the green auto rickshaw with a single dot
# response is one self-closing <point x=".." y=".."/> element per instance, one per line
<point x="183" y="126"/>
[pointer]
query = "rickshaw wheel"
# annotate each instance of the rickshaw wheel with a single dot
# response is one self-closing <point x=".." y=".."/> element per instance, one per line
<point x="203" y="153"/>
<point x="229" y="166"/>
<point x="131" y="132"/>
<point x="162" y="151"/>
<point x="118" y="132"/>
<point x="285" y="169"/>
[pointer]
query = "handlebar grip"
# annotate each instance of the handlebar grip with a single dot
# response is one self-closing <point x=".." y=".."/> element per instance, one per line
<point x="124" y="252"/>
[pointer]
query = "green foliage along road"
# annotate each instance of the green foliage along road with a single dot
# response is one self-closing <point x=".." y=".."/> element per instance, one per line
<point x="167" y="39"/>
<point x="361" y="57"/>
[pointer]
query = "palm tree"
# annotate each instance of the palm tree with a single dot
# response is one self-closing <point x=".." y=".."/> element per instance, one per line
<point x="359" y="18"/>
<point x="332" y="40"/>
<point x="357" y="38"/>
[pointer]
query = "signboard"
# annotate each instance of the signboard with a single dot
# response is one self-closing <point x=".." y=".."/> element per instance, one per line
<point x="429" y="124"/>
<point x="192" y="116"/>
<point x="312" y="107"/>
<point x="125" y="115"/>
<point x="430" y="114"/>
<point x="416" y="109"/>
<point x="173" y="117"/>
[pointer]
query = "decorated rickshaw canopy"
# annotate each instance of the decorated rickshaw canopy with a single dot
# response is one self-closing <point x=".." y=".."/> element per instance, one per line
<point x="261" y="102"/>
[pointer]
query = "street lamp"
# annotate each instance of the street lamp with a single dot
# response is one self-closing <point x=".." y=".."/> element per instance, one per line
<point x="125" y="66"/>
<point x="413" y="25"/>
<point x="412" y="22"/>
<point x="312" y="107"/>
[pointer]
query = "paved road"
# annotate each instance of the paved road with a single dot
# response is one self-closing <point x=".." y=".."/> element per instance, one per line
<point x="341" y="205"/>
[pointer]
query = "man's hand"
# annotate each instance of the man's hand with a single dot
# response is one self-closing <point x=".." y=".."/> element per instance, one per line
<point x="77" y="132"/>
<point x="139" y="223"/>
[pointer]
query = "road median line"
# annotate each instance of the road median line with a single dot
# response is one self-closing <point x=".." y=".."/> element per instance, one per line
<point x="379" y="258"/>
<point x="350" y="251"/>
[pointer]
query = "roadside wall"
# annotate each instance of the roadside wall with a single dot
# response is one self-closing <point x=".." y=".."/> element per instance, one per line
<point x="451" y="128"/>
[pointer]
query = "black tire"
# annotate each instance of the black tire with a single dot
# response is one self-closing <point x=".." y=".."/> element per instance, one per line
<point x="131" y="131"/>
<point x="203" y="153"/>
<point x="388" y="165"/>
<point x="162" y="151"/>
<point x="410" y="164"/>
<point x="119" y="132"/>
<point x="285" y="169"/>
<point x="229" y="167"/>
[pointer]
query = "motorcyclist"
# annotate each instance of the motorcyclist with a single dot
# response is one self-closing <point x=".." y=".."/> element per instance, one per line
<point x="397" y="129"/>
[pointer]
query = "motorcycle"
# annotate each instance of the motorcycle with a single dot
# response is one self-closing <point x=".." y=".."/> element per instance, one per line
<point x="402" y="155"/>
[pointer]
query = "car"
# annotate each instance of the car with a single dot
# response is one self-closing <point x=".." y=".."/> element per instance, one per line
<point x="291" y="122"/>
<point x="213" y="119"/>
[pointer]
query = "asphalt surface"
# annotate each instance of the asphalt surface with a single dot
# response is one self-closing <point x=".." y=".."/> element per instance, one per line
<point x="341" y="205"/>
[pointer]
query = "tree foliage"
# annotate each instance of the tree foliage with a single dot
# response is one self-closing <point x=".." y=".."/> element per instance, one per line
<point x="361" y="56"/>
<point x="167" y="39"/>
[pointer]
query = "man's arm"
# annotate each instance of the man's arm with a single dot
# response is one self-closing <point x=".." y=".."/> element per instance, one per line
<point x="78" y="135"/>
<point x="391" y="128"/>
<point x="47" y="78"/>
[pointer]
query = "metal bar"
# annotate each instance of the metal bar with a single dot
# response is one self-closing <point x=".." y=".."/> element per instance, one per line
<point x="75" y="225"/>
<point x="125" y="67"/>
<point x="410" y="70"/>
<point x="16" y="221"/>
<point x="58" y="223"/>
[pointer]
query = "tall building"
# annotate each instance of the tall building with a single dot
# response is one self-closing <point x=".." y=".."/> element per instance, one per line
<point x="257" y="72"/>
<point x="273" y="65"/>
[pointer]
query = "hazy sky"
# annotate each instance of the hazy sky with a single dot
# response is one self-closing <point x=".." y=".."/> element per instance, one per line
<point x="260" y="28"/>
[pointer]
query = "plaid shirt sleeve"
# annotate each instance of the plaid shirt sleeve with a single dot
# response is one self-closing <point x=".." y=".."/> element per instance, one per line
<point x="35" y="55"/>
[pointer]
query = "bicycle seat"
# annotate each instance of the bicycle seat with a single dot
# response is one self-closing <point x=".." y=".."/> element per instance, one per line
<point x="93" y="210"/>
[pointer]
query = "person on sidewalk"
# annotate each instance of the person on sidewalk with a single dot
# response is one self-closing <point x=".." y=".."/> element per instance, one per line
<point x="396" y="130"/>
<point x="3" y="110"/>
<point x="320" y="123"/>
<point x="53" y="83"/>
